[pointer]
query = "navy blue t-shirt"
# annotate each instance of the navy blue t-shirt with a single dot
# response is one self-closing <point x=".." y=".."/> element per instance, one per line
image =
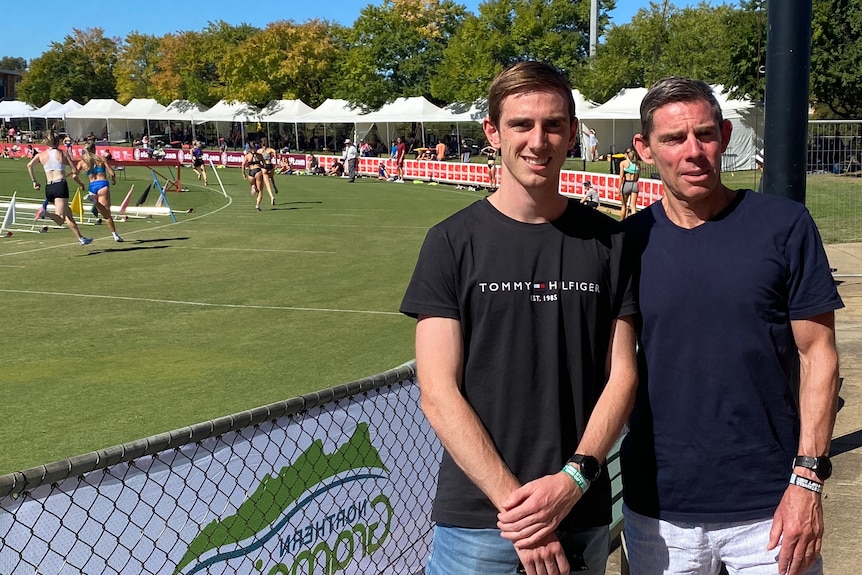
<point x="716" y="424"/>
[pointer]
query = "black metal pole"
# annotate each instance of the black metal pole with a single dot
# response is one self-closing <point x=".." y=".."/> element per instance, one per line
<point x="788" y="51"/>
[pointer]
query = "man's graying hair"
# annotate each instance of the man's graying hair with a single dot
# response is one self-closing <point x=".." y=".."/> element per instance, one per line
<point x="526" y="77"/>
<point x="672" y="90"/>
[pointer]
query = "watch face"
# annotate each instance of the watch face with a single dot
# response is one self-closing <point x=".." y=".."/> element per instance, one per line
<point x="824" y="468"/>
<point x="590" y="466"/>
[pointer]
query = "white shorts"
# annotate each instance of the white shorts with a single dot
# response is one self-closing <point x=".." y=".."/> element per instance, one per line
<point x="657" y="547"/>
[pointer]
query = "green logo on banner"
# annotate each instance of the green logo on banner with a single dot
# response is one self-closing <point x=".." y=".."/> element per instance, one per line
<point x="266" y="511"/>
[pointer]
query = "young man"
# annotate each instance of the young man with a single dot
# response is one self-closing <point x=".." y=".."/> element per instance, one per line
<point x="725" y="461"/>
<point x="524" y="351"/>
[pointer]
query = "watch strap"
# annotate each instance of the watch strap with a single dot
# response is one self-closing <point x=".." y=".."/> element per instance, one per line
<point x="806" y="483"/>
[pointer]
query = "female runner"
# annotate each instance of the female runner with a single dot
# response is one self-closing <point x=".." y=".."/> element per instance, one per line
<point x="98" y="169"/>
<point x="54" y="162"/>
<point x="630" y="173"/>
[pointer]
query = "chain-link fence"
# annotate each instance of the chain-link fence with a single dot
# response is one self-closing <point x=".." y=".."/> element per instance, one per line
<point x="834" y="190"/>
<point x="335" y="481"/>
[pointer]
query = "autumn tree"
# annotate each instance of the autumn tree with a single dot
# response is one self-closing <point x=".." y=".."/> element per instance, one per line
<point x="284" y="61"/>
<point x="188" y="62"/>
<point x="81" y="67"/>
<point x="137" y="61"/>
<point x="393" y="50"/>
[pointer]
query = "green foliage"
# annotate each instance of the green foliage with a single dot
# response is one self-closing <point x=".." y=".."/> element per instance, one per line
<point x="508" y="31"/>
<point x="13" y="63"/>
<point x="662" y="40"/>
<point x="393" y="49"/>
<point x="746" y="77"/>
<point x="436" y="49"/>
<point x="836" y="58"/>
<point x="137" y="61"/>
<point x="283" y="61"/>
<point x="81" y="67"/>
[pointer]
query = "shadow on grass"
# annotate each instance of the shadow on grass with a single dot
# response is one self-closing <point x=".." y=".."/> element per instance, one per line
<point x="128" y="249"/>
<point x="136" y="242"/>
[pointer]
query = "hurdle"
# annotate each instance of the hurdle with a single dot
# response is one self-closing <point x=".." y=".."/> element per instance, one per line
<point x="10" y="223"/>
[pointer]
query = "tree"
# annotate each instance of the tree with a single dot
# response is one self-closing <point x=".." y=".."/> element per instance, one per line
<point x="13" y="63"/>
<point x="81" y="67"/>
<point x="661" y="41"/>
<point x="746" y="68"/>
<point x="508" y="31"/>
<point x="393" y="50"/>
<point x="136" y="63"/>
<point x="283" y="61"/>
<point x="188" y="62"/>
<point x="836" y="53"/>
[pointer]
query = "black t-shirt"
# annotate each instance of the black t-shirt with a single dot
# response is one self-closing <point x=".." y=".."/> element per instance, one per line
<point x="536" y="303"/>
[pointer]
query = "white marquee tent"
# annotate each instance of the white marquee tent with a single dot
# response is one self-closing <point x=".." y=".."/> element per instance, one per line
<point x="285" y="112"/>
<point x="403" y="111"/>
<point x="224" y="114"/>
<point x="97" y="116"/>
<point x="332" y="111"/>
<point x="138" y="113"/>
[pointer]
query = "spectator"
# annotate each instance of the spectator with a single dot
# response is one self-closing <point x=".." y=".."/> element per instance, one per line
<point x="591" y="196"/>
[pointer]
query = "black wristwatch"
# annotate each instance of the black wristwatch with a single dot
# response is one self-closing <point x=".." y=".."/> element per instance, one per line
<point x="821" y="466"/>
<point x="589" y="466"/>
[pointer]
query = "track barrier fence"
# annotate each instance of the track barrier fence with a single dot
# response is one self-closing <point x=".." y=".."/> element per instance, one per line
<point x="334" y="481"/>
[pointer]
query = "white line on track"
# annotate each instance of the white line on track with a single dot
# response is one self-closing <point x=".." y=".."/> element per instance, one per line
<point x="199" y="303"/>
<point x="254" y="250"/>
<point x="127" y="234"/>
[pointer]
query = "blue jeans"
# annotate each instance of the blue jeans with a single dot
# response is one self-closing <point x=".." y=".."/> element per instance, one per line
<point x="460" y="551"/>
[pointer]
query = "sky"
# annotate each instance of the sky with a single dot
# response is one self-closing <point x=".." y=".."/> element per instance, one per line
<point x="32" y="34"/>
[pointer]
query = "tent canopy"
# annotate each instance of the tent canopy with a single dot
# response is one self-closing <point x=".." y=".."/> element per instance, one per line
<point x="14" y="109"/>
<point x="97" y="116"/>
<point x="224" y="111"/>
<point x="285" y="111"/>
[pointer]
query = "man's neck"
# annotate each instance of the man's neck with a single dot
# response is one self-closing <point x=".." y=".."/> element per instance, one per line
<point x="529" y="206"/>
<point x="689" y="215"/>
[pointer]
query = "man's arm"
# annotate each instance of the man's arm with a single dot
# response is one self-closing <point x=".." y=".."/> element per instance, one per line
<point x="798" y="521"/>
<point x="439" y="367"/>
<point x="30" y="165"/>
<point x="537" y="508"/>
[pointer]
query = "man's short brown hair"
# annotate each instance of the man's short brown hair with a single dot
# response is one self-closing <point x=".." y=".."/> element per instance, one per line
<point x="527" y="77"/>
<point x="672" y="90"/>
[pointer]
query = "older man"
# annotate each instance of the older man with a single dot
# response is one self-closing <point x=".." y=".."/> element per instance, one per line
<point x="725" y="460"/>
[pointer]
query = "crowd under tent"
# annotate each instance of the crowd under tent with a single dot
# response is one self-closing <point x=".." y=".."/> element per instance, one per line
<point x="333" y="112"/>
<point x="284" y="112"/>
<point x="224" y="115"/>
<point x="16" y="110"/>
<point x="181" y="112"/>
<point x="101" y="117"/>
<point x="138" y="113"/>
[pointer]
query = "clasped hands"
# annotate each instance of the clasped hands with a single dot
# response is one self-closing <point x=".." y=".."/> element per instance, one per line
<point x="530" y="517"/>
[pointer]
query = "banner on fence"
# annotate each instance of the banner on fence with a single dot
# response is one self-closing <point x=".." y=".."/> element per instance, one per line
<point x="332" y="490"/>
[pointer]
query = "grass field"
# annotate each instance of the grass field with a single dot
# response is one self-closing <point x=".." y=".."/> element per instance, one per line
<point x="226" y="310"/>
<point x="229" y="308"/>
